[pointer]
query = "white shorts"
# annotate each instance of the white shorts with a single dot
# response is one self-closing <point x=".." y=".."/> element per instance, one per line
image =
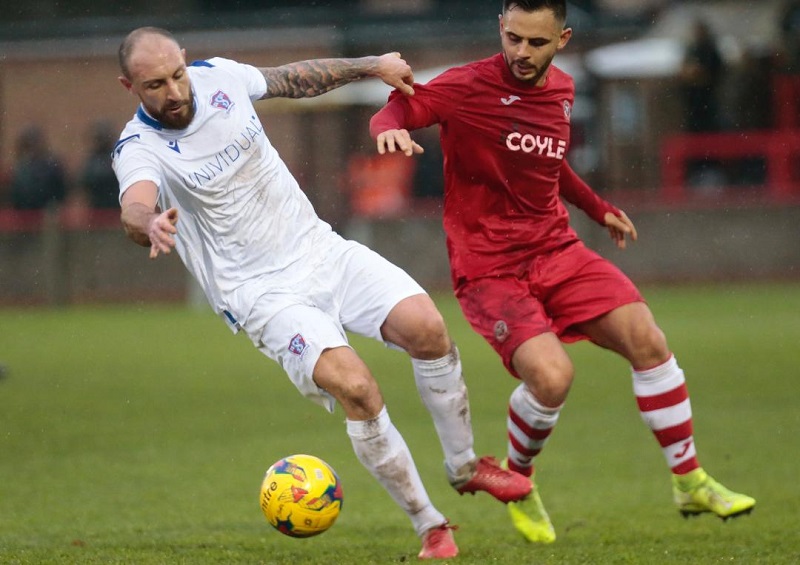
<point x="352" y="291"/>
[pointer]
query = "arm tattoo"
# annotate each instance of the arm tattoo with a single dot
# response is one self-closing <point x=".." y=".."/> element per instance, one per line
<point x="306" y="79"/>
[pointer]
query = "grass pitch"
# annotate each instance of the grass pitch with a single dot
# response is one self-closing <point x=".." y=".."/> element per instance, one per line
<point x="140" y="434"/>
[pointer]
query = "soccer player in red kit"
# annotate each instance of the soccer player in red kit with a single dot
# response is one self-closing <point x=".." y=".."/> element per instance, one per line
<point x="523" y="278"/>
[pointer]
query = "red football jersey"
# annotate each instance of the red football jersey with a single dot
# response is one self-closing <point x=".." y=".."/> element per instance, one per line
<point x="504" y="144"/>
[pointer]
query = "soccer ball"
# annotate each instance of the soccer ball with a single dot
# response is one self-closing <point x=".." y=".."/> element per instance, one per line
<point x="301" y="496"/>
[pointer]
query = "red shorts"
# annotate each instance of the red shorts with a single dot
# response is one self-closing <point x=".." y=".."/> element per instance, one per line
<point x="558" y="291"/>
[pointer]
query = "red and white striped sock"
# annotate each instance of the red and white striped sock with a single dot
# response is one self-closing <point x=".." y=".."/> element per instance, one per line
<point x="529" y="425"/>
<point x="664" y="405"/>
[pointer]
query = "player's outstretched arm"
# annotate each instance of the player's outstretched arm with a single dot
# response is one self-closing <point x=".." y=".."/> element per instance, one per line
<point x="144" y="223"/>
<point x="306" y="79"/>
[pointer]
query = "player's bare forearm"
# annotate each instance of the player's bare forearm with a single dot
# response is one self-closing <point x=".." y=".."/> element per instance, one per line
<point x="136" y="218"/>
<point x="143" y="220"/>
<point x="306" y="79"/>
<point x="148" y="227"/>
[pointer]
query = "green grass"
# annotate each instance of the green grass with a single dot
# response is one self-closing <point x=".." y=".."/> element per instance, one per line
<point x="140" y="435"/>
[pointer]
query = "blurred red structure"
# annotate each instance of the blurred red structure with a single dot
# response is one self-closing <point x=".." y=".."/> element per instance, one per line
<point x="67" y="218"/>
<point x="779" y="147"/>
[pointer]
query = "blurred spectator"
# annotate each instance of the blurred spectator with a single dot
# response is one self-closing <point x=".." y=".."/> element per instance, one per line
<point x="750" y="108"/>
<point x="701" y="76"/>
<point x="750" y="97"/>
<point x="5" y="182"/>
<point x="381" y="186"/>
<point x="790" y="37"/>
<point x="38" y="179"/>
<point x="428" y="179"/>
<point x="97" y="177"/>
<point x="786" y="82"/>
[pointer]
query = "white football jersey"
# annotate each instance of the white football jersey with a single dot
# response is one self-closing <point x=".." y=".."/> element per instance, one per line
<point x="245" y="228"/>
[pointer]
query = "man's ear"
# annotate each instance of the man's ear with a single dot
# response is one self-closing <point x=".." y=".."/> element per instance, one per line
<point x="566" y="34"/>
<point x="125" y="82"/>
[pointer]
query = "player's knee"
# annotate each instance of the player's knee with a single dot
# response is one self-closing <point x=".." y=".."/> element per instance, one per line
<point x="430" y="339"/>
<point x="360" y="396"/>
<point x="359" y="390"/>
<point x="649" y="342"/>
<point x="553" y="387"/>
<point x="417" y="326"/>
<point x="549" y="381"/>
<point x="344" y="375"/>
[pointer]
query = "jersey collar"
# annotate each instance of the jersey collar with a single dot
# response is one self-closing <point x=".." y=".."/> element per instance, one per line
<point x="142" y="114"/>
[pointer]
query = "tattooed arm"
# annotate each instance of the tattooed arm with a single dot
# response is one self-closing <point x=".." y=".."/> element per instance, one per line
<point x="306" y="79"/>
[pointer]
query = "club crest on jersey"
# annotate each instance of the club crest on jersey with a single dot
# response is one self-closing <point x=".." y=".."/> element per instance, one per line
<point x="221" y="101"/>
<point x="501" y="331"/>
<point x="567" y="109"/>
<point x="297" y="344"/>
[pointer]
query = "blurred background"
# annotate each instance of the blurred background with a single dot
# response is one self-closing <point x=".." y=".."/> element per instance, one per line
<point x="687" y="116"/>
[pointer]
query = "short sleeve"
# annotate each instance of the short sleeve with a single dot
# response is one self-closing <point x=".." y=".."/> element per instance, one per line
<point x="132" y="162"/>
<point x="253" y="79"/>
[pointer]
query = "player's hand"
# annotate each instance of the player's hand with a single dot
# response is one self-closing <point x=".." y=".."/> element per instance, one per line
<point x="160" y="231"/>
<point x="393" y="140"/>
<point x="620" y="227"/>
<point x="395" y="72"/>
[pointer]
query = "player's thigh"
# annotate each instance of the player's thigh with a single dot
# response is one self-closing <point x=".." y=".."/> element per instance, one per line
<point x="631" y="331"/>
<point x="295" y="337"/>
<point x="371" y="287"/>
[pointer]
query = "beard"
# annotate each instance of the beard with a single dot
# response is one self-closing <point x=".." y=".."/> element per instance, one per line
<point x="527" y="74"/>
<point x="176" y="116"/>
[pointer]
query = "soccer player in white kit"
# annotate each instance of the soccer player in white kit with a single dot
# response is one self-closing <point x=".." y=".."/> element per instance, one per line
<point x="198" y="174"/>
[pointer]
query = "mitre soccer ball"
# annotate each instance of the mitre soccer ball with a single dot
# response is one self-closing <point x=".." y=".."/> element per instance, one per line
<point x="301" y="496"/>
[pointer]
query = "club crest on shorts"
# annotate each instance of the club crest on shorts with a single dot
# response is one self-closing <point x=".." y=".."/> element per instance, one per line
<point x="221" y="101"/>
<point x="297" y="344"/>
<point x="500" y="331"/>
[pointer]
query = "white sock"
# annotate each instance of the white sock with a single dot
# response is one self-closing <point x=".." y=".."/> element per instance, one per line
<point x="383" y="451"/>
<point x="529" y="425"/>
<point x="664" y="404"/>
<point x="444" y="393"/>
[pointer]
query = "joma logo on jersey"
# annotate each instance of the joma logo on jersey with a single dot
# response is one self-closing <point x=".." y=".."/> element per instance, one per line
<point x="221" y="101"/>
<point x="539" y="144"/>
